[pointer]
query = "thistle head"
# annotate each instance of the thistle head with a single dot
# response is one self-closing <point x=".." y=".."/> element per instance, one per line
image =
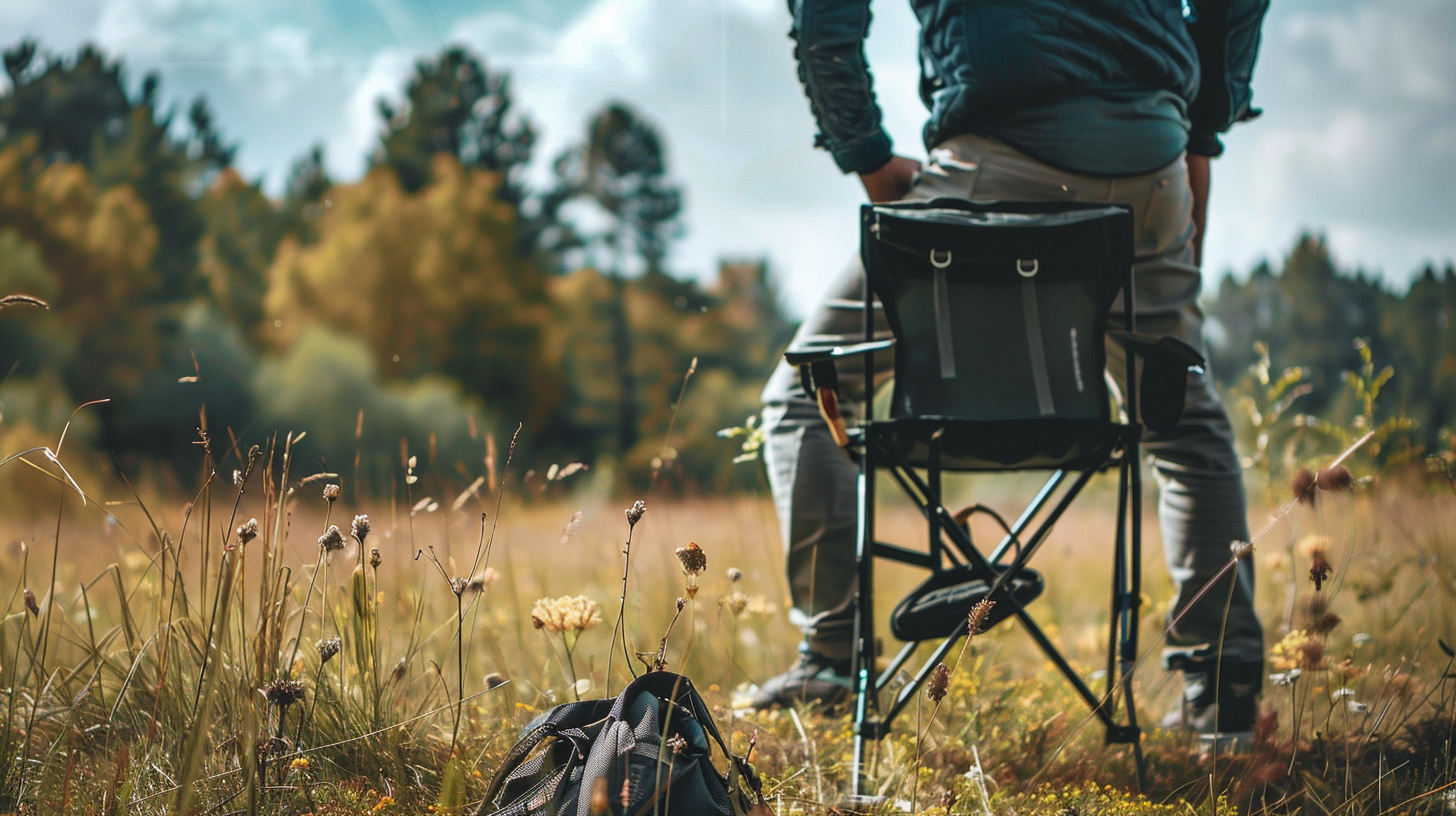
<point x="332" y="540"/>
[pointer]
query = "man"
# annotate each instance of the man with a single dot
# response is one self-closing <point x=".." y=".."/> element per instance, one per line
<point x="1062" y="100"/>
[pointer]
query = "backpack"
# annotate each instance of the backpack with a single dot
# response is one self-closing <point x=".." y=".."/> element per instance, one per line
<point x="617" y="747"/>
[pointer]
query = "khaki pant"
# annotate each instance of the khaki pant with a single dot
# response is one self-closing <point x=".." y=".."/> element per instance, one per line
<point x="1201" y="506"/>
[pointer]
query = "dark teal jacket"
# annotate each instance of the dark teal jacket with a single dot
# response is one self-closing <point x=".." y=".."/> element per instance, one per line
<point x="982" y="59"/>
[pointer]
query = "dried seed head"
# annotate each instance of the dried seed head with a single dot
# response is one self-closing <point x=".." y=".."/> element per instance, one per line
<point x="1319" y="571"/>
<point x="1334" y="478"/>
<point x="677" y="744"/>
<point x="1241" y="550"/>
<point x="332" y="540"/>
<point x="565" y="614"/>
<point x="30" y="603"/>
<point x="734" y="575"/>
<point x="374" y="557"/>
<point x="331" y="493"/>
<point x="400" y="667"/>
<point x="495" y="680"/>
<point x="977" y="618"/>
<point x="457" y="586"/>
<point x="328" y="649"/>
<point x="1303" y="486"/>
<point x="693" y="559"/>
<point x="283" y="693"/>
<point x="248" y="531"/>
<point x="360" y="528"/>
<point x="939" y="683"/>
<point x="1324" y="624"/>
<point x="634" y="513"/>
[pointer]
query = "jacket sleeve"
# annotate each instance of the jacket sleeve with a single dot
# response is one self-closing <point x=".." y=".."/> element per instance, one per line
<point x="1226" y="34"/>
<point x="829" y="47"/>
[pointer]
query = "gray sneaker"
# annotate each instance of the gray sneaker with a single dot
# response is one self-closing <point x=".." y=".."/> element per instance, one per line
<point x="1220" y="702"/>
<point x="814" y="679"/>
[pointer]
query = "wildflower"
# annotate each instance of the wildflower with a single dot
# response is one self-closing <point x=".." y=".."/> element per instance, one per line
<point x="1303" y="486"/>
<point x="978" y="616"/>
<point x="299" y="764"/>
<point x="1334" y="478"/>
<point x="328" y="649"/>
<point x="694" y="561"/>
<point x="481" y="581"/>
<point x="248" y="531"/>
<point x="331" y="493"/>
<point x="30" y="603"/>
<point x="939" y="684"/>
<point x="457" y="585"/>
<point x="734" y="575"/>
<point x="735" y="602"/>
<point x="360" y="528"/>
<point x="283" y="693"/>
<point x="332" y="540"/>
<point x="1357" y="707"/>
<point x="1298" y="650"/>
<point x="1285" y="678"/>
<point x="1317" y="549"/>
<point x="634" y="513"/>
<point x="384" y="801"/>
<point x="565" y="614"/>
<point x="1341" y="693"/>
<point x="374" y="557"/>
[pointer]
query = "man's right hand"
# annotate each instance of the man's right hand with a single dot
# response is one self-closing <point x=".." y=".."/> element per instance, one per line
<point x="892" y="181"/>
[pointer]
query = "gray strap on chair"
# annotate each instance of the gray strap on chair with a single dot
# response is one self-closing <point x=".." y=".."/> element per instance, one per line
<point x="943" y="337"/>
<point x="1031" y="316"/>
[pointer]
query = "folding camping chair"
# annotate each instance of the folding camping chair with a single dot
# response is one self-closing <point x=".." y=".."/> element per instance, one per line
<point x="999" y="312"/>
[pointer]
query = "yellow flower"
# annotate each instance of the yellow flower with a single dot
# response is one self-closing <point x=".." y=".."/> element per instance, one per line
<point x="384" y="802"/>
<point x="299" y="764"/>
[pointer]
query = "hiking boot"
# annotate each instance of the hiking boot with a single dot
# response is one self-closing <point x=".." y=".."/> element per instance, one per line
<point x="814" y="679"/>
<point x="1219" y="700"/>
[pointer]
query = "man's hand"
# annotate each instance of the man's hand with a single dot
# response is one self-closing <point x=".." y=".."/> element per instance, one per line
<point x="891" y="182"/>
<point x="1198" y="177"/>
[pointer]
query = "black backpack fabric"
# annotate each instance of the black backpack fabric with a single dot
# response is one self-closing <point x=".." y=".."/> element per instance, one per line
<point x="554" y="768"/>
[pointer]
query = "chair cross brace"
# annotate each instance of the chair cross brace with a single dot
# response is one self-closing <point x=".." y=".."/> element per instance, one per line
<point x="877" y="452"/>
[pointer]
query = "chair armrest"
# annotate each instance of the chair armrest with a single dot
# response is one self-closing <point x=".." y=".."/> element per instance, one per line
<point x="811" y="354"/>
<point x="1164" y="382"/>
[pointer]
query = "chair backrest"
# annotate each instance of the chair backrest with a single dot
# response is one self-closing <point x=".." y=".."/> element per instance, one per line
<point x="999" y="309"/>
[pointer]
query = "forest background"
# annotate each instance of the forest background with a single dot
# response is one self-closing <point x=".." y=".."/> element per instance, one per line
<point x="439" y="302"/>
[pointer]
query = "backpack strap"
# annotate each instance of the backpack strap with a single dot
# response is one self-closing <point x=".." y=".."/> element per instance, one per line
<point x="557" y="722"/>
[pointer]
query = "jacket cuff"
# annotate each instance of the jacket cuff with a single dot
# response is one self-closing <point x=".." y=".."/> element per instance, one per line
<point x="863" y="155"/>
<point x="1205" y="143"/>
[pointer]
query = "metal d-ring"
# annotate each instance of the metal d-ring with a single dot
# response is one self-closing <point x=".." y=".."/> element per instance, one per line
<point x="939" y="264"/>
<point x="1020" y="268"/>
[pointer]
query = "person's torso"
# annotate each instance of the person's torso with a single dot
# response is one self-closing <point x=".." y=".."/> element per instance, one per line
<point x="1093" y="86"/>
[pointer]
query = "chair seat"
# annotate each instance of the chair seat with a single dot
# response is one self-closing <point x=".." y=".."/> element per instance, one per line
<point x="968" y="445"/>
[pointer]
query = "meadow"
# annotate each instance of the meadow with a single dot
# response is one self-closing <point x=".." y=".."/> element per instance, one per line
<point x="271" y="643"/>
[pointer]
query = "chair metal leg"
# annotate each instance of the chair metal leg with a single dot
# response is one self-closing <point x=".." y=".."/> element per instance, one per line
<point x="866" y="697"/>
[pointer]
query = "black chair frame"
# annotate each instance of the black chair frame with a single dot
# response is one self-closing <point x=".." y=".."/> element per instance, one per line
<point x="873" y="444"/>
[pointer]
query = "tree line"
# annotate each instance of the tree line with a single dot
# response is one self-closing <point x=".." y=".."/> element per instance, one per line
<point x="441" y="301"/>
<point x="427" y="310"/>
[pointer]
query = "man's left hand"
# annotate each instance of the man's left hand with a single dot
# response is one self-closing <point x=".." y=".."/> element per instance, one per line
<point x="892" y="181"/>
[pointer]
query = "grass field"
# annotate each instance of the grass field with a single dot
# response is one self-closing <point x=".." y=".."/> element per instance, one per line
<point x="165" y="656"/>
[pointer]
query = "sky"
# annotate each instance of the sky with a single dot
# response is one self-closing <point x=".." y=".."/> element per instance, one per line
<point x="1358" y="138"/>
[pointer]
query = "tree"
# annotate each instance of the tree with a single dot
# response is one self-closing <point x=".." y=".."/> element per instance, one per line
<point x="454" y="105"/>
<point x="612" y="209"/>
<point x="431" y="282"/>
